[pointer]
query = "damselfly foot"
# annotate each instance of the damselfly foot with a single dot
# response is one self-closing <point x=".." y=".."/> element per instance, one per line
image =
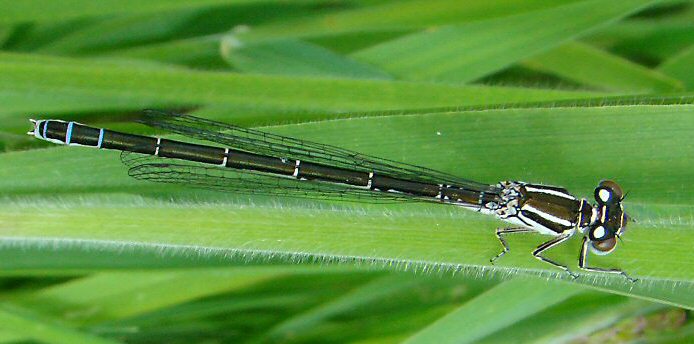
<point x="629" y="278"/>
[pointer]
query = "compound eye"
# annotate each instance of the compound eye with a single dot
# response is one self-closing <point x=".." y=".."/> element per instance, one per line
<point x="604" y="246"/>
<point x="608" y="191"/>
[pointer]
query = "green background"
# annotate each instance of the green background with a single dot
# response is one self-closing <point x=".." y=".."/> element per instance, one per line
<point x="556" y="92"/>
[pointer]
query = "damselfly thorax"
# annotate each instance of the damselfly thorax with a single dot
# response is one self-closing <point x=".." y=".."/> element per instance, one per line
<point x="252" y="161"/>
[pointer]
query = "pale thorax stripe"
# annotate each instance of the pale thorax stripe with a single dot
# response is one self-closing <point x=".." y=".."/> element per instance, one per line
<point x="548" y="217"/>
<point x="550" y="192"/>
<point x="530" y="223"/>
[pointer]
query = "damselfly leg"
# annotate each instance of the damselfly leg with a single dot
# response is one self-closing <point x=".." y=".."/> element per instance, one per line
<point x="500" y="232"/>
<point x="549" y="244"/>
<point x="537" y="253"/>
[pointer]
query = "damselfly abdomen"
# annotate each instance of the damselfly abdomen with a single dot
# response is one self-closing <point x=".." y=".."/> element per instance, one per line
<point x="252" y="161"/>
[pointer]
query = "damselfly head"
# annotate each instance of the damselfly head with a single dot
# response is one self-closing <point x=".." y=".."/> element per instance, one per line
<point x="611" y="220"/>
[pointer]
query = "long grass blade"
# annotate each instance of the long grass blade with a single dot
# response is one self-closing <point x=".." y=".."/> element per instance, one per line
<point x="501" y="306"/>
<point x="26" y="324"/>
<point x="293" y="57"/>
<point x="467" y="52"/>
<point x="46" y="10"/>
<point x="680" y="66"/>
<point x="597" y="68"/>
<point x="655" y="249"/>
<point x="73" y="78"/>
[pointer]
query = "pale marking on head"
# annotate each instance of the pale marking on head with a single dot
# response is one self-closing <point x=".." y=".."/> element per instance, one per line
<point x="599" y="232"/>
<point x="604" y="195"/>
<point x="604" y="213"/>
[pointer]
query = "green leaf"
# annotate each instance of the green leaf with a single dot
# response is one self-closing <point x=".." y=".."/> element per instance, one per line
<point x="199" y="51"/>
<point x="47" y="10"/>
<point x="653" y="290"/>
<point x="5" y="32"/>
<point x="29" y="325"/>
<point x="31" y="81"/>
<point x="28" y="37"/>
<point x="656" y="249"/>
<point x="116" y="295"/>
<point x="591" y="66"/>
<point x="143" y="30"/>
<point x="230" y="302"/>
<point x="405" y="303"/>
<point x="501" y="306"/>
<point x="646" y="40"/>
<point x="82" y="244"/>
<point x="10" y="337"/>
<point x="293" y="57"/>
<point x="118" y="32"/>
<point x="14" y="142"/>
<point x="46" y="257"/>
<point x="380" y="21"/>
<point x="573" y="319"/>
<point x="241" y="314"/>
<point x="397" y="15"/>
<point x="680" y="67"/>
<point x="467" y="52"/>
<point x="683" y="335"/>
<point x="361" y="296"/>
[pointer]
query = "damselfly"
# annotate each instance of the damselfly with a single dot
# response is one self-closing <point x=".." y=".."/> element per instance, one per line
<point x="252" y="161"/>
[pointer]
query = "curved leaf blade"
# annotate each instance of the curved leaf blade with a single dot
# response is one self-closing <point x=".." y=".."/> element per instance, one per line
<point x="467" y="52"/>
